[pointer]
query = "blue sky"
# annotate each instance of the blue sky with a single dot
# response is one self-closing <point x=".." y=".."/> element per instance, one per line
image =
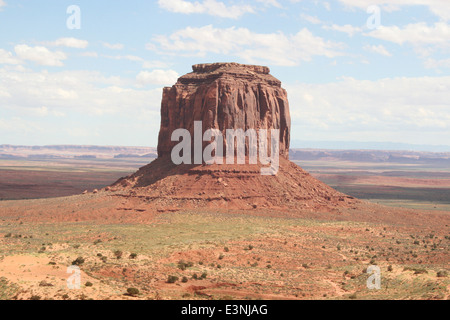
<point x="348" y="77"/>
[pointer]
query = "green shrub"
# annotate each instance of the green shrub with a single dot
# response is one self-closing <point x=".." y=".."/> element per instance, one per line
<point x="442" y="274"/>
<point x="185" y="279"/>
<point x="133" y="256"/>
<point x="118" y="254"/>
<point x="133" y="291"/>
<point x="172" y="279"/>
<point x="88" y="284"/>
<point x="78" y="261"/>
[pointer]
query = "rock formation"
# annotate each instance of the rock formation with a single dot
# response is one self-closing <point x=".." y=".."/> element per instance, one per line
<point x="226" y="96"/>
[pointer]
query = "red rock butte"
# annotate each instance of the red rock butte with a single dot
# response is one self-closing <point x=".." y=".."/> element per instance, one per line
<point x="226" y="96"/>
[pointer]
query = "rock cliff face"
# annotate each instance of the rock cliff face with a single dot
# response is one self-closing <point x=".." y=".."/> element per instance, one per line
<point x="225" y="96"/>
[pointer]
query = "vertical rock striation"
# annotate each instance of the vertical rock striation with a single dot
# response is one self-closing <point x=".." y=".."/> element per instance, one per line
<point x="225" y="96"/>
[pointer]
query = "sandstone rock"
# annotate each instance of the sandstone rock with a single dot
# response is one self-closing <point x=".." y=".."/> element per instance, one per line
<point x="225" y="96"/>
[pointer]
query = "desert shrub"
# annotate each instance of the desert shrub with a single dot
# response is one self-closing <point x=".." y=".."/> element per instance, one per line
<point x="133" y="291"/>
<point x="195" y="276"/>
<point x="172" y="279"/>
<point x="78" y="261"/>
<point x="104" y="259"/>
<point x="97" y="241"/>
<point x="118" y="254"/>
<point x="8" y="235"/>
<point x="65" y="296"/>
<point x="88" y="284"/>
<point x="254" y="264"/>
<point x="185" y="279"/>
<point x="133" y="256"/>
<point x="442" y="274"/>
<point x="353" y="296"/>
<point x="221" y="257"/>
<point x="204" y="275"/>
<point x="35" y="297"/>
<point x="416" y="270"/>
<point x="226" y="249"/>
<point x="390" y="268"/>
<point x="76" y="246"/>
<point x="182" y="265"/>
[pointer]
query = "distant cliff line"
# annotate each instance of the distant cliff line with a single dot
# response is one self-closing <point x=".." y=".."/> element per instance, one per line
<point x="20" y="152"/>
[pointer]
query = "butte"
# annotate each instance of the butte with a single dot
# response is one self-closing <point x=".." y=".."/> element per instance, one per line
<point x="227" y="96"/>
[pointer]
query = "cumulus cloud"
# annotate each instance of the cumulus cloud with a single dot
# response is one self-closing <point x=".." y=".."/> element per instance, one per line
<point x="270" y="3"/>
<point x="274" y="48"/>
<point x="211" y="7"/>
<point x="380" y="49"/>
<point x="2" y="4"/>
<point x="437" y="63"/>
<point x="70" y="43"/>
<point x="115" y="46"/>
<point x="409" y="109"/>
<point x="88" y="92"/>
<point x="347" y="28"/>
<point x="439" y="8"/>
<point x="310" y="19"/>
<point x="158" y="77"/>
<point x="40" y="55"/>
<point x="7" y="57"/>
<point x="415" y="34"/>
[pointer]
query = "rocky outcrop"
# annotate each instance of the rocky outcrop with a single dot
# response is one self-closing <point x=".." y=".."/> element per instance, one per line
<point x="225" y="96"/>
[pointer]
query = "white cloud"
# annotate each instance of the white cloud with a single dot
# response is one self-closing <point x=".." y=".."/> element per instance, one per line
<point x="128" y="57"/>
<point x="380" y="49"/>
<point x="40" y="55"/>
<point x="440" y="8"/>
<point x="91" y="54"/>
<point x="158" y="77"/>
<point x="70" y="43"/>
<point x="347" y="28"/>
<point x="270" y="3"/>
<point x="154" y="64"/>
<point x="406" y="109"/>
<point x="415" y="34"/>
<point x="2" y="4"/>
<point x="84" y="92"/>
<point x="273" y="48"/>
<point x="310" y="19"/>
<point x="435" y="64"/>
<point x="211" y="7"/>
<point x="7" y="57"/>
<point x="115" y="46"/>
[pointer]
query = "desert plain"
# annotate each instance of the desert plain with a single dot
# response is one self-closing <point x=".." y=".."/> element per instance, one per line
<point x="122" y="243"/>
